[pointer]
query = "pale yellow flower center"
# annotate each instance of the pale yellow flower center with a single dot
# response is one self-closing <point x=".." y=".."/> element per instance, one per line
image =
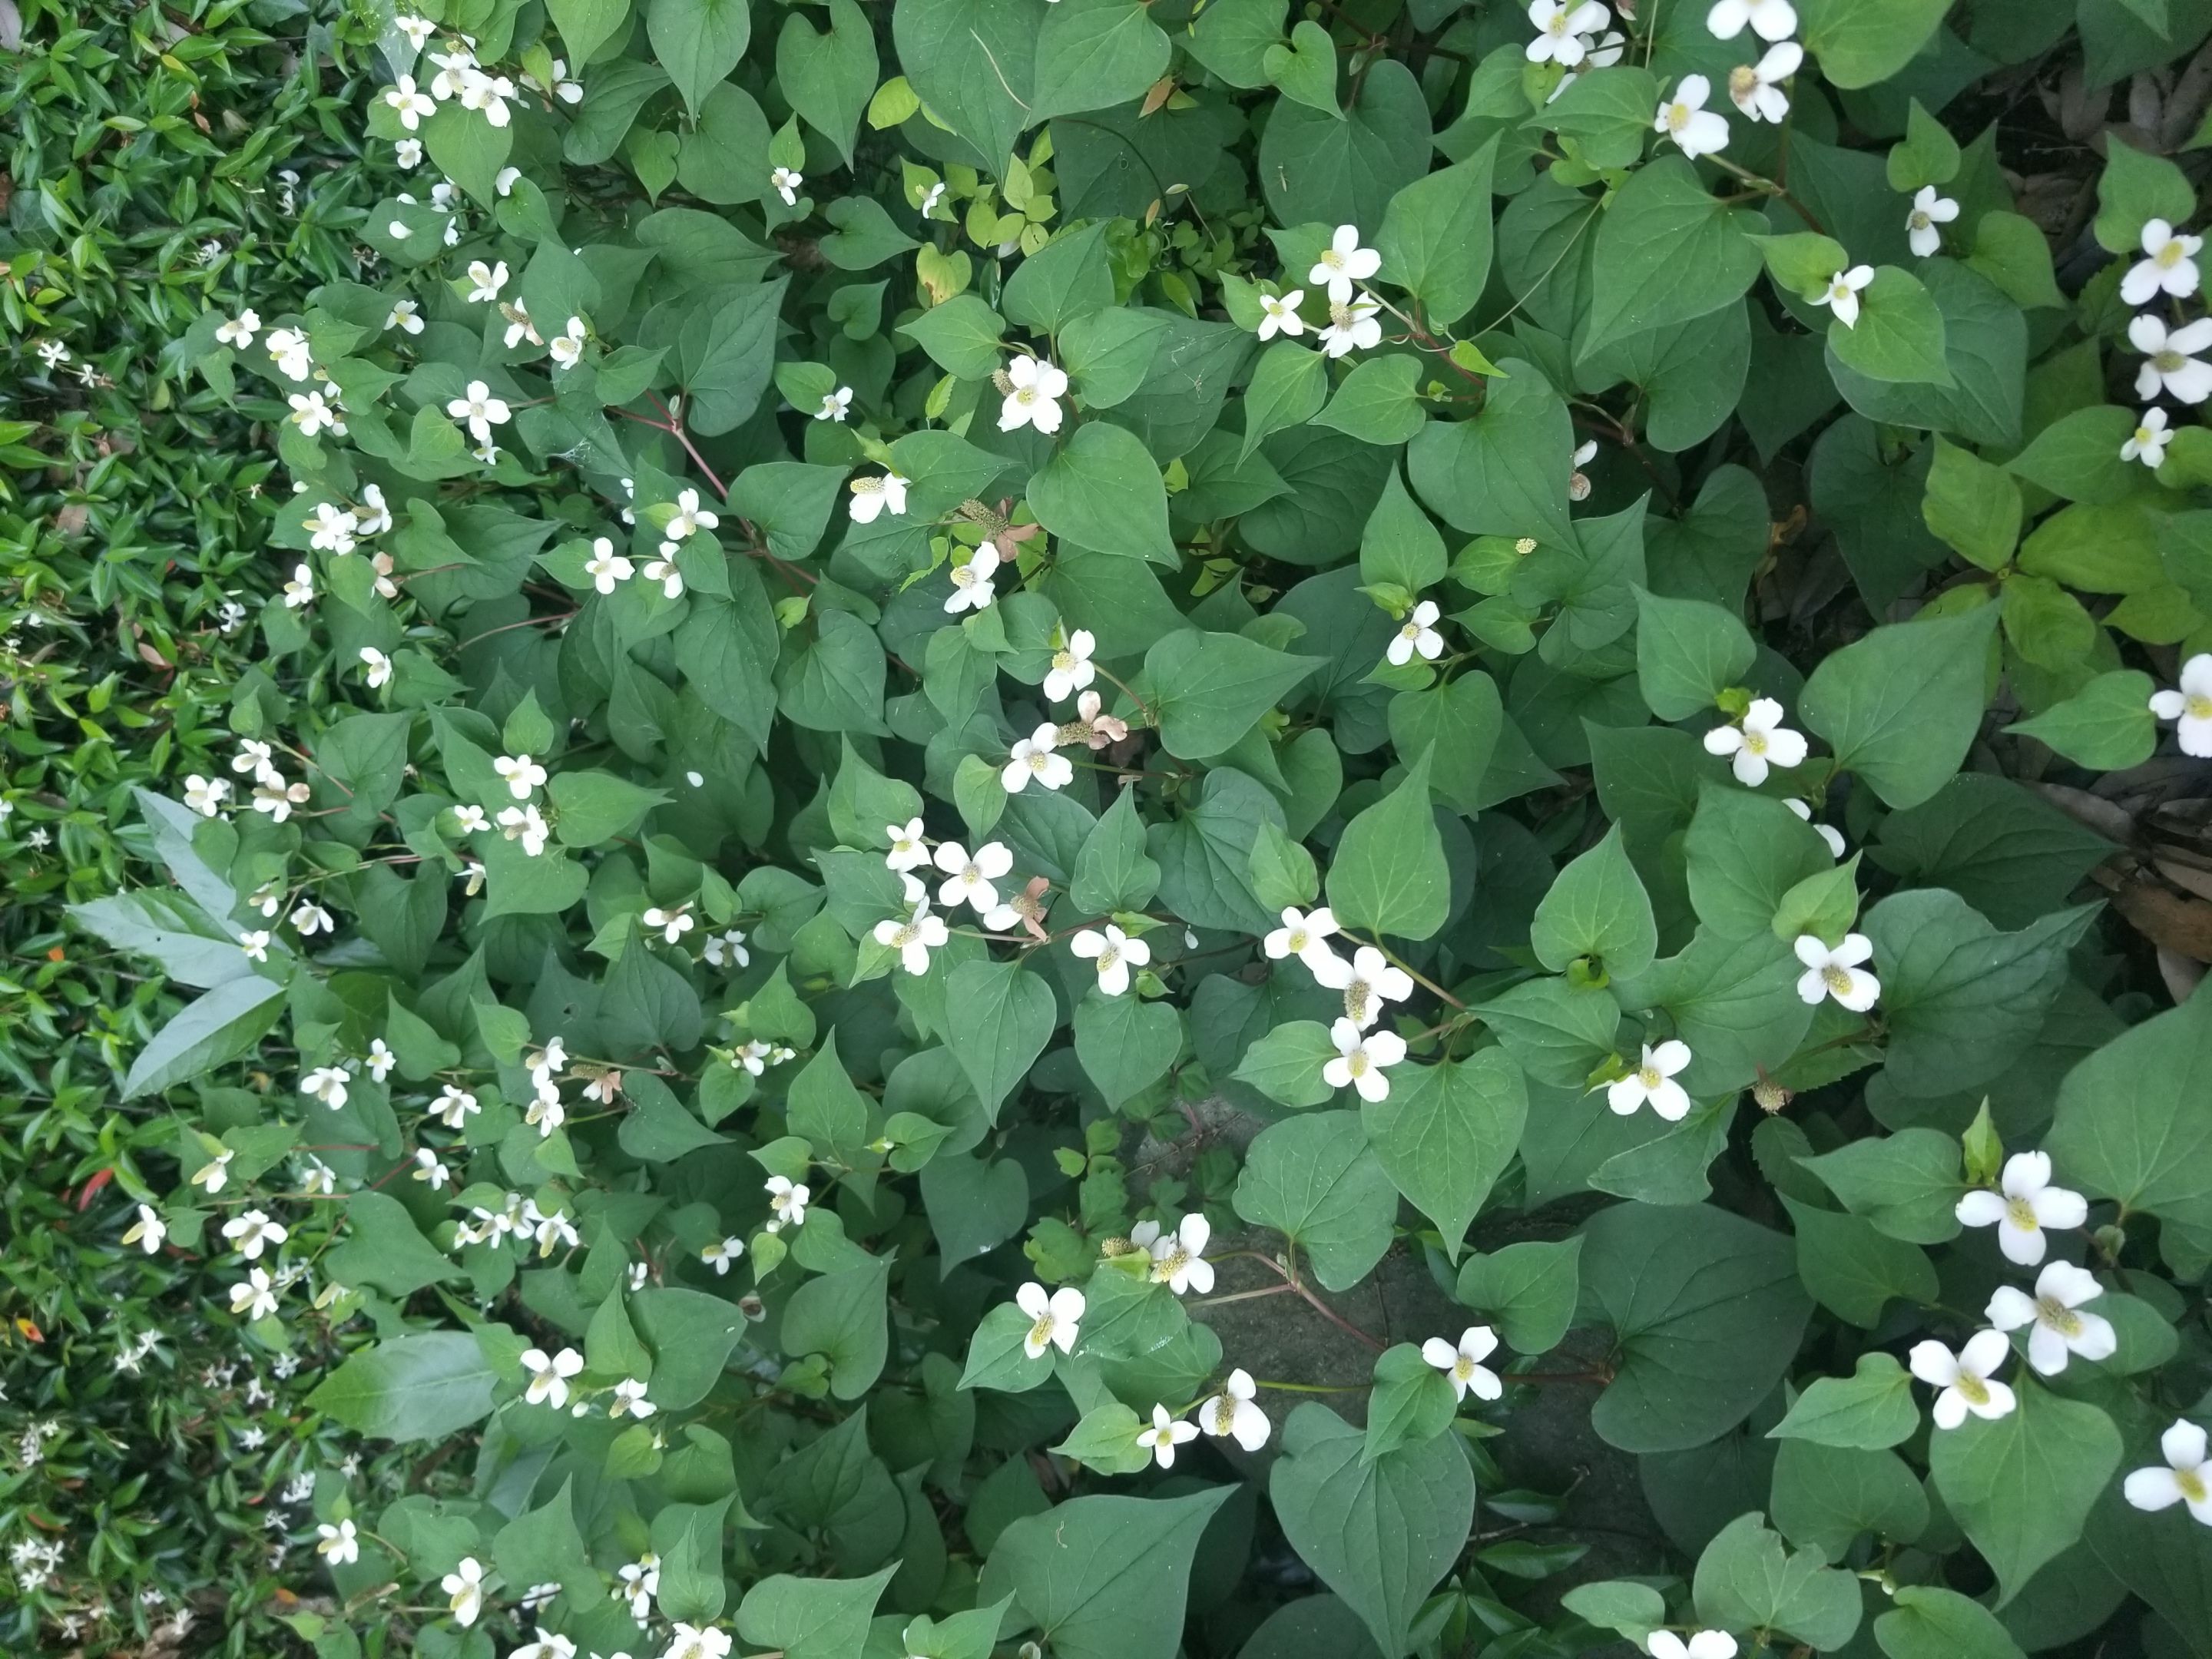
<point x="1027" y="394"/>
<point x="2197" y="707"/>
<point x="2143" y="436"/>
<point x="2191" y="1483"/>
<point x="963" y="577"/>
<point x="1973" y="1387"/>
<point x="1063" y="660"/>
<point x="1650" y="1077"/>
<point x="1678" y="117"/>
<point x="1037" y="761"/>
<point x="1298" y="940"/>
<point x="1837" y="979"/>
<point x="1167" y="1267"/>
<point x="1919" y="219"/>
<point x="1754" y="743"/>
<point x="1225" y="1413"/>
<point x="2168" y="360"/>
<point x="1355" y="1062"/>
<point x="1357" y="996"/>
<point x="1743" y="80"/>
<point x="2021" y="1214"/>
<point x="868" y="486"/>
<point x="2169" y="256"/>
<point x="1464" y="1369"/>
<point x="2060" y="1317"/>
<point x="1335" y="260"/>
<point x="1412" y="630"/>
<point x="1041" y="1333"/>
<point x="1109" y="959"/>
<point x="906" y="935"/>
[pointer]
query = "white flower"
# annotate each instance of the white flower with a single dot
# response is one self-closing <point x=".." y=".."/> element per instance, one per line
<point x="488" y="94"/>
<point x="240" y="329"/>
<point x="665" y="572"/>
<point x="1352" y="326"/>
<point x="2169" y="265"/>
<point x="835" y="405"/>
<point x="1964" y="1379"/>
<point x="1653" y="1082"/>
<point x="606" y="567"/>
<point x="2023" y="1204"/>
<point x="53" y="353"/>
<point x="431" y="1168"/>
<point x="2191" y="706"/>
<point x="1760" y="742"/>
<point x="1232" y="1412"/>
<point x="1179" y="1258"/>
<point x="969" y="878"/>
<point x="1114" y="952"/>
<point x="908" y="851"/>
<point x="480" y="409"/>
<point x="2056" y="1329"/>
<point x="1033" y="758"/>
<point x="525" y="825"/>
<point x="1837" y="973"/>
<point x="311" y="413"/>
<point x="1559" y="26"/>
<point x="550" y="1374"/>
<point x="253" y="1232"/>
<point x="696" y="1641"/>
<point x="300" y="592"/>
<point x="672" y="924"/>
<point x="256" y="1296"/>
<point x="640" y="1583"/>
<point x="787" y="184"/>
<point x="504" y="181"/>
<point x="2148" y="442"/>
<point x="418" y="30"/>
<point x="567" y="347"/>
<point x="1368" y="981"/>
<point x="1578" y="484"/>
<point x="1032" y="400"/>
<point x="148" y="1232"/>
<point x="465" y="1585"/>
<point x="1841" y="294"/>
<point x="379" y="666"/>
<point x="1756" y="88"/>
<point x="374" y="517"/>
<point x="1282" y="314"/>
<point x="1072" y="667"/>
<point x="255" y="942"/>
<point x="215" y="1173"/>
<point x="1305" y="936"/>
<point x="788" y="1199"/>
<point x="485" y="281"/>
<point x="1684" y="117"/>
<point x="288" y="348"/>
<point x="914" y="937"/>
<point x="1463" y="1364"/>
<point x="205" y="796"/>
<point x="690" y="517"/>
<point x="1827" y="833"/>
<point x="326" y="1084"/>
<point x="727" y="948"/>
<point x="1702" y="1644"/>
<point x="467" y="819"/>
<point x="1930" y="210"/>
<point x="406" y="316"/>
<point x="873" y="498"/>
<point x="329" y="529"/>
<point x="1360" y="1060"/>
<point x="412" y="106"/>
<point x="1419" y="633"/>
<point x="1770" y="20"/>
<point x="629" y="1400"/>
<point x="522" y="773"/>
<point x="380" y="1060"/>
<point x="547" y="1646"/>
<point x="2184" y="1480"/>
<point x="1053" y="1318"/>
<point x="720" y="1256"/>
<point x="454" y="1106"/>
<point x="2171" y="361"/>
<point x="408" y="152"/>
<point x="1166" y="1433"/>
<point x="971" y="582"/>
<point x="556" y="83"/>
<point x="1344" y="262"/>
<point x="339" y="1544"/>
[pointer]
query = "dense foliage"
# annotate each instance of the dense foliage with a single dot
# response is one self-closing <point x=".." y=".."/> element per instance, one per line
<point x="1177" y="827"/>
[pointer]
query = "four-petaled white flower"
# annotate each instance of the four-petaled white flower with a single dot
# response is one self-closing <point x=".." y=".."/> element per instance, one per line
<point x="148" y="1232"/>
<point x="309" y="918"/>
<point x="873" y="497"/>
<point x="1352" y="326"/>
<point x="408" y="152"/>
<point x="665" y="572"/>
<point x="1701" y="1644"/>
<point x="727" y="948"/>
<point x="550" y="1374"/>
<point x="672" y="924"/>
<point x="1053" y="1317"/>
<point x="240" y="330"/>
<point x="913" y="936"/>
<point x="1841" y="294"/>
<point x="1033" y="758"/>
<point x="969" y="878"/>
<point x="629" y="1400"/>
<point x="1418" y="632"/>
<point x="2186" y="1478"/>
<point x="288" y="348"/>
<point x="788" y="183"/>
<point x="1368" y="981"/>
<point x="431" y="1170"/>
<point x="690" y="517"/>
<point x="2148" y="442"/>
<point x="1179" y="1258"/>
<point x="606" y="567"/>
<point x="525" y="825"/>
<point x="254" y="1232"/>
<point x="718" y="1256"/>
<point x="1928" y="211"/>
<point x="452" y="1106"/>
<point x="2056" y="1328"/>
<point x="522" y="773"/>
<point x="1837" y="973"/>
<point x="1770" y="20"/>
<point x="1114" y="952"/>
<point x="696" y="1642"/>
<point x="465" y="1586"/>
<point x="256" y="1296"/>
<point x="205" y="796"/>
<point x="378" y="666"/>
<point x="1760" y="742"/>
<point x="1344" y="262"/>
<point x="411" y="105"/>
<point x="2171" y="360"/>
<point x="1561" y="26"/>
<point x="480" y="409"/>
<point x="380" y="1060"/>
<point x="909" y="850"/>
<point x="1360" y="1060"/>
<point x="470" y="818"/>
<point x="1653" y="1082"/>
<point x="1072" y="668"/>
<point x="1684" y="117"/>
<point x="1234" y="1412"/>
<point x="1305" y="936"/>
<point x="214" y="1174"/>
<point x="971" y="582"/>
<point x="339" y="1544"/>
<point x="1034" y="389"/>
<point x="2168" y="266"/>
<point x="406" y="316"/>
<point x="566" y="348"/>
<point x="311" y="414"/>
<point x="300" y="592"/>
<point x="1756" y="88"/>
<point x="835" y="405"/>
<point x="1964" y="1379"/>
<point x="486" y="281"/>
<point x="1280" y="314"/>
<point x="1463" y="1365"/>
<point x="2023" y="1204"/>
<point x="1166" y="1433"/>
<point x="788" y="1199"/>
<point x="547" y="1645"/>
<point x="255" y="943"/>
<point x="418" y="30"/>
<point x="326" y="1084"/>
<point x="2190" y="706"/>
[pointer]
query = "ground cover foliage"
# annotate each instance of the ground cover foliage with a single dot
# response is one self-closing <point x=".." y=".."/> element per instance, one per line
<point x="957" y="708"/>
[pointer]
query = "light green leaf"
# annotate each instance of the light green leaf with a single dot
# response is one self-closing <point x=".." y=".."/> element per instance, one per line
<point x="1389" y="874"/>
<point x="1746" y="1578"/>
<point x="1445" y="1133"/>
<point x="1314" y="1179"/>
<point x="2022" y="1487"/>
<point x="1900" y="706"/>
<point x="1871" y="1409"/>
<point x="1688" y="652"/>
<point x="1207" y="690"/>
<point x="1529" y="1290"/>
<point x="1597" y="909"/>
<point x="1104" y="1577"/>
<point x="1101" y="491"/>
